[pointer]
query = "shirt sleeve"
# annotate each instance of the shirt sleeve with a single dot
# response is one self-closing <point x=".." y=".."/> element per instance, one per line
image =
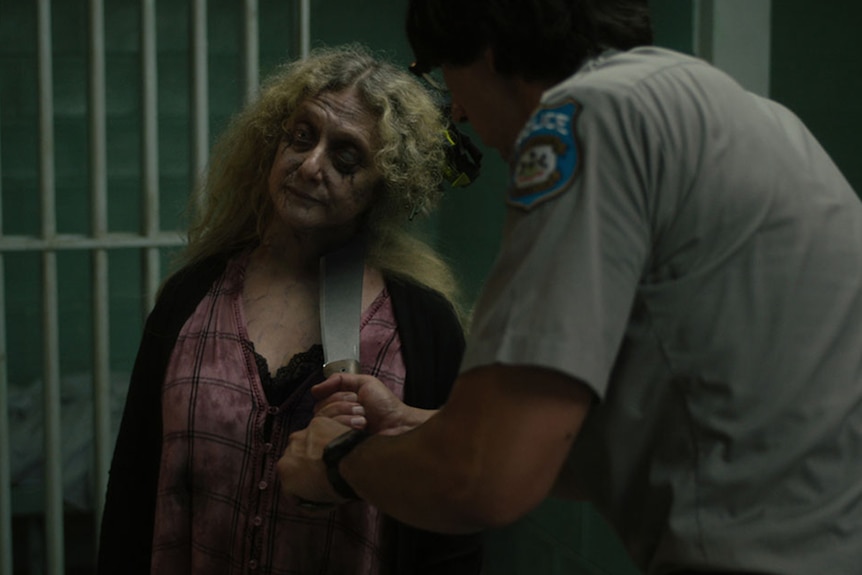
<point x="574" y="245"/>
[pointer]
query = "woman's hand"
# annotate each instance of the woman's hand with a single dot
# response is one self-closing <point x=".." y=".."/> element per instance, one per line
<point x="301" y="469"/>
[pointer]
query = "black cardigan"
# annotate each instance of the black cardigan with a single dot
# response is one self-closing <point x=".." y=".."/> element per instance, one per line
<point x="432" y="346"/>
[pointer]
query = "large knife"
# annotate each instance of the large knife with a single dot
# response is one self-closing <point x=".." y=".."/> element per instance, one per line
<point x="341" y="273"/>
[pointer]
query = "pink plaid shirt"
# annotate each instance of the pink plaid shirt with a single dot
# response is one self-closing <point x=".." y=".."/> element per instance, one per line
<point x="219" y="509"/>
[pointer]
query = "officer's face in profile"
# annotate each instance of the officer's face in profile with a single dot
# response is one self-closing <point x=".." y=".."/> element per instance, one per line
<point x="497" y="106"/>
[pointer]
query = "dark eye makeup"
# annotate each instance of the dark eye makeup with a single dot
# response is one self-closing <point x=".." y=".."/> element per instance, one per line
<point x="299" y="136"/>
<point x="346" y="159"/>
<point x="346" y="156"/>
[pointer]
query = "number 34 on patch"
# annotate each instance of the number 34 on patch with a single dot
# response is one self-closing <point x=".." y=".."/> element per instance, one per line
<point x="546" y="156"/>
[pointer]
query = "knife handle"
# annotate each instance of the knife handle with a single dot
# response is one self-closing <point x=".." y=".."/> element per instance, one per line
<point x="340" y="366"/>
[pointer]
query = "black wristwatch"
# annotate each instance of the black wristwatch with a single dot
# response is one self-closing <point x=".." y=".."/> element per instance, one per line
<point x="334" y="452"/>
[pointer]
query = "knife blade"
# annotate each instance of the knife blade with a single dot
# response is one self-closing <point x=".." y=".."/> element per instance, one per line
<point x="341" y="273"/>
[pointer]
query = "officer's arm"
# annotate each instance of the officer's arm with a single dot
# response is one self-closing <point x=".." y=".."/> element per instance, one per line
<point x="487" y="457"/>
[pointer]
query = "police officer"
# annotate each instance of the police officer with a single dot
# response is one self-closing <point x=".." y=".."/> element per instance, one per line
<point x="671" y="330"/>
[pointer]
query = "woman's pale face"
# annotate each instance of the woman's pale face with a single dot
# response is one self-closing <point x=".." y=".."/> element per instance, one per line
<point x="323" y="176"/>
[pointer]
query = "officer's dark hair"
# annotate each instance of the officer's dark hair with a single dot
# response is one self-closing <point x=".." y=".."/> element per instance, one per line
<point x="543" y="40"/>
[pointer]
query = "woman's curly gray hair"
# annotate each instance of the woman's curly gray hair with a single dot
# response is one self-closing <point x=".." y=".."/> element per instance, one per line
<point x="232" y="205"/>
<point x="409" y="123"/>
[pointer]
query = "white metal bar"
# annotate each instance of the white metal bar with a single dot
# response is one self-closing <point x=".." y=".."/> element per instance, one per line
<point x="50" y="347"/>
<point x="100" y="297"/>
<point x="702" y="28"/>
<point x="97" y="139"/>
<point x="251" y="49"/>
<point x="304" y="27"/>
<point x="742" y="41"/>
<point x="5" y="465"/>
<point x="76" y="242"/>
<point x="103" y="443"/>
<point x="199" y="91"/>
<point x="735" y="35"/>
<point x="46" y="120"/>
<point x="150" y="150"/>
<point x="53" y="486"/>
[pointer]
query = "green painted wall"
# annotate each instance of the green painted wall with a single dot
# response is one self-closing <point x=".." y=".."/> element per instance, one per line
<point x="816" y="71"/>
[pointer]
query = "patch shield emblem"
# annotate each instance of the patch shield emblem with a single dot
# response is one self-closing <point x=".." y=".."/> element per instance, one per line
<point x="546" y="156"/>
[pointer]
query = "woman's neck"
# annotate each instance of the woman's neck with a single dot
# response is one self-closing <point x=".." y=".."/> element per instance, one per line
<point x="292" y="259"/>
<point x="300" y="250"/>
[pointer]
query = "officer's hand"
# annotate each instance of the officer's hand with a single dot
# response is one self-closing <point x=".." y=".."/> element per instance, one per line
<point x="363" y="401"/>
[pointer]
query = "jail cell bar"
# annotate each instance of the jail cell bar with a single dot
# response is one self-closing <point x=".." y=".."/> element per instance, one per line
<point x="150" y="239"/>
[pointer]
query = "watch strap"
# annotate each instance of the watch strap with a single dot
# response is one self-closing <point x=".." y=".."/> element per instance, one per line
<point x="334" y="452"/>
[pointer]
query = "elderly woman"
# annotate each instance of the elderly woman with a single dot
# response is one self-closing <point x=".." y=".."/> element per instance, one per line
<point x="338" y="146"/>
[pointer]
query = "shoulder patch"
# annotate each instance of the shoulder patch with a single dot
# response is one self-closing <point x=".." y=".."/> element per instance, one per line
<point x="546" y="156"/>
